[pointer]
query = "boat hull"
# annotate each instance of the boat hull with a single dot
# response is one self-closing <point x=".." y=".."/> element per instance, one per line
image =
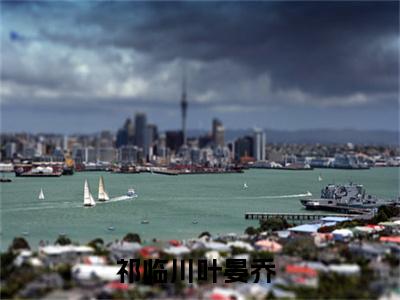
<point x="124" y="198"/>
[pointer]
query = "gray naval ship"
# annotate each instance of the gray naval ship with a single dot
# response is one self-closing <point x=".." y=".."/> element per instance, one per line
<point x="339" y="197"/>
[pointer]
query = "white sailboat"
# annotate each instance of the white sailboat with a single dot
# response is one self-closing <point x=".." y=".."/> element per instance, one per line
<point x="88" y="200"/>
<point x="103" y="196"/>
<point x="319" y="178"/>
<point x="41" y="195"/>
<point x="245" y="186"/>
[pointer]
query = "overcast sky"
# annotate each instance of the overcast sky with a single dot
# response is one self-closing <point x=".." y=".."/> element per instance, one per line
<point x="86" y="66"/>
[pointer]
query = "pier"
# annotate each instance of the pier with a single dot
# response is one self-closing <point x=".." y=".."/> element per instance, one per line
<point x="294" y="218"/>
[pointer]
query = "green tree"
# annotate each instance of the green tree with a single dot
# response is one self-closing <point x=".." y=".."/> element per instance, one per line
<point x="7" y="266"/>
<point x="303" y="247"/>
<point x="63" y="240"/>
<point x="19" y="243"/>
<point x="132" y="237"/>
<point x="385" y="213"/>
<point x="250" y="230"/>
<point x="205" y="233"/>
<point x="98" y="246"/>
<point x="273" y="224"/>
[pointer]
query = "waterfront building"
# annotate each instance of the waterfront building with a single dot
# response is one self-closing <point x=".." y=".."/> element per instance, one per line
<point x="195" y="155"/>
<point x="259" y="144"/>
<point x="90" y="155"/>
<point x="29" y="152"/>
<point x="106" y="154"/>
<point x="128" y="154"/>
<point x="39" y="147"/>
<point x="10" y="150"/>
<point x="244" y="147"/>
<point x="57" y="154"/>
<point x="78" y="153"/>
<point x="65" y="143"/>
<point x="84" y="154"/>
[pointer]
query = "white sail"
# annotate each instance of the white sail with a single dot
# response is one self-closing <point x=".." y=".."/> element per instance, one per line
<point x="87" y="196"/>
<point x="319" y="178"/>
<point x="41" y="194"/>
<point x="103" y="196"/>
<point x="245" y="186"/>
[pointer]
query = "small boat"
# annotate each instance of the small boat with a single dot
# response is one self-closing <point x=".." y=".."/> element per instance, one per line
<point x="5" y="179"/>
<point x="111" y="228"/>
<point x="319" y="178"/>
<point x="308" y="194"/>
<point x="145" y="221"/>
<point x="25" y="233"/>
<point x="88" y="200"/>
<point x="131" y="193"/>
<point x="102" y="196"/>
<point x="195" y="222"/>
<point x="41" y="195"/>
<point x="245" y="186"/>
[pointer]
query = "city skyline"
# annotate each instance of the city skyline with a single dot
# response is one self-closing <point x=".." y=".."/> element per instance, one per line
<point x="77" y="67"/>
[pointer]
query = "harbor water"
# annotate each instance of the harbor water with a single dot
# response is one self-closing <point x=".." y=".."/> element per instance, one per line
<point x="176" y="207"/>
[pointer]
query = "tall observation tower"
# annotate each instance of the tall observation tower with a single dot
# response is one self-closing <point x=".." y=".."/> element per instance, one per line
<point x="184" y="105"/>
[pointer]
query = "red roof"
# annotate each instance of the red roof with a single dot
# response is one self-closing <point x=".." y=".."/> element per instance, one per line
<point x="219" y="297"/>
<point x="390" y="239"/>
<point x="174" y="243"/>
<point x="148" y="251"/>
<point x="116" y="285"/>
<point x="293" y="269"/>
<point x="375" y="226"/>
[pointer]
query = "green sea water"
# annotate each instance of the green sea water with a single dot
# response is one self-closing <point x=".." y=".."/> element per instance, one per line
<point x="170" y="203"/>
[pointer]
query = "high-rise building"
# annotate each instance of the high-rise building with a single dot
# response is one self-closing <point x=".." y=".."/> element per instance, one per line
<point x="162" y="146"/>
<point x="141" y="132"/>
<point x="259" y="144"/>
<point x="125" y="135"/>
<point x="218" y="133"/>
<point x="152" y="136"/>
<point x="184" y="105"/>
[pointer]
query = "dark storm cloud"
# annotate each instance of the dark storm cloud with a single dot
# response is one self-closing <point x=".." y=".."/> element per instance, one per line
<point x="326" y="49"/>
<point x="256" y="57"/>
